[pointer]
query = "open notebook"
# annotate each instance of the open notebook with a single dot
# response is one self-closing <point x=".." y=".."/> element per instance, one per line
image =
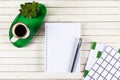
<point x="61" y="42"/>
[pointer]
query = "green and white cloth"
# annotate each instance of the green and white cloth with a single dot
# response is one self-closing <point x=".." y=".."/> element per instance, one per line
<point x="97" y="50"/>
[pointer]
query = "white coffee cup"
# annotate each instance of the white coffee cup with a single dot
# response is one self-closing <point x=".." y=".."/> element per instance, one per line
<point x="19" y="31"/>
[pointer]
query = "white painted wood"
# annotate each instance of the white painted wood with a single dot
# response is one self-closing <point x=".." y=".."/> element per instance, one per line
<point x="30" y="54"/>
<point x="69" y="18"/>
<point x="84" y="53"/>
<point x="65" y="11"/>
<point x="22" y="54"/>
<point x="100" y="22"/>
<point x="86" y="25"/>
<point x="5" y="32"/>
<point x="85" y="32"/>
<point x="103" y="39"/>
<point x="23" y="68"/>
<point x="26" y="68"/>
<point x="40" y="47"/>
<point x="9" y="46"/>
<point x="37" y="76"/>
<point x="88" y="38"/>
<point x="18" y="61"/>
<point x="65" y="3"/>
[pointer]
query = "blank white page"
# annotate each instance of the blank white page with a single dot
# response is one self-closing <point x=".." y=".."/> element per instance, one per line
<point x="61" y="43"/>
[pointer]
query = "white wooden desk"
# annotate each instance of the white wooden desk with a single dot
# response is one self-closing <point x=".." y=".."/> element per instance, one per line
<point x="100" y="21"/>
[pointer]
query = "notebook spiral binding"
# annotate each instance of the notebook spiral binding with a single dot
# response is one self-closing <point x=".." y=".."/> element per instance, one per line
<point x="46" y="42"/>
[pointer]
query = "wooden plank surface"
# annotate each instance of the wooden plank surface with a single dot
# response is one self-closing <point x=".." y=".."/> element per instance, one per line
<point x="64" y="3"/>
<point x="70" y="18"/>
<point x="100" y="22"/>
<point x="66" y="11"/>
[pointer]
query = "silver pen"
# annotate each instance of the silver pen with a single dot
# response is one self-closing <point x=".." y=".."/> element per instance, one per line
<point x="76" y="53"/>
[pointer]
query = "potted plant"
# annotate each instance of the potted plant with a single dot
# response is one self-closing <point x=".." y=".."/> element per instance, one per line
<point x="27" y="23"/>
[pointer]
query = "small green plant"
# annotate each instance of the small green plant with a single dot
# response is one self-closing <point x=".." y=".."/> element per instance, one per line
<point x="29" y="9"/>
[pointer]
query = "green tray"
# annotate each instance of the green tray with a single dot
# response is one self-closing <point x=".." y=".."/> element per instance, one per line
<point x="33" y="25"/>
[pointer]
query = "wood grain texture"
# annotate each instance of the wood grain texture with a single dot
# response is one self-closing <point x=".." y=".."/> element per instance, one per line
<point x="100" y="22"/>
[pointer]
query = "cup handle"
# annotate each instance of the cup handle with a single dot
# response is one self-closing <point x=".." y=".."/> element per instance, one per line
<point x="14" y="39"/>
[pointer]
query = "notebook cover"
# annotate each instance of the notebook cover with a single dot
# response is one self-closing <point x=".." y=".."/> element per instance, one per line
<point x="61" y="42"/>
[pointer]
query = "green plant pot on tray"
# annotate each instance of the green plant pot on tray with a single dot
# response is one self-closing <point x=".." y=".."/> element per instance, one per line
<point x="27" y="23"/>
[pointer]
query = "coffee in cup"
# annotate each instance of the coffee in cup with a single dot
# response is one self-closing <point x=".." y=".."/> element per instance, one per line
<point x="19" y="31"/>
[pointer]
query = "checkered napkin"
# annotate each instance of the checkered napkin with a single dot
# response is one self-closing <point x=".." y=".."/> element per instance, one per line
<point x="106" y="65"/>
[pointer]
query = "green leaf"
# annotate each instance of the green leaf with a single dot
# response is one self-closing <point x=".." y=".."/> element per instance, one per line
<point x="29" y="9"/>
